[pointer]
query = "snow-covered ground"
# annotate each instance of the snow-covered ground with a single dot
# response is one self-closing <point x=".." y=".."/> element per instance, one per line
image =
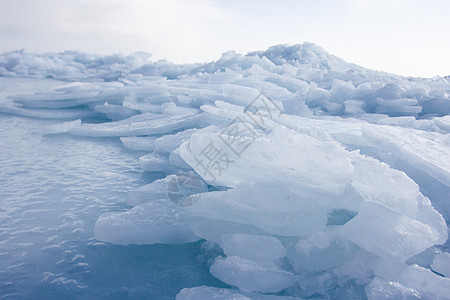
<point x="286" y="173"/>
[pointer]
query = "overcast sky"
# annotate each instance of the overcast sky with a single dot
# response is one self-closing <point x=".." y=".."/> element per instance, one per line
<point x="408" y="37"/>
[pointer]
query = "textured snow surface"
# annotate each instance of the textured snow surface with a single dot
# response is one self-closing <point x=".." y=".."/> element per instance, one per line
<point x="280" y="174"/>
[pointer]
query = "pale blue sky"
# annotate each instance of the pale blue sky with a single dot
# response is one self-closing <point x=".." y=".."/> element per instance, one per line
<point x="408" y="37"/>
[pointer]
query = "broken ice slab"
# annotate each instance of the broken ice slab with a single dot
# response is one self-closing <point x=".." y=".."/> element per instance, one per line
<point x="250" y="246"/>
<point x="269" y="208"/>
<point x="380" y="289"/>
<point x="143" y="124"/>
<point x="298" y="160"/>
<point x="44" y="113"/>
<point x="250" y="275"/>
<point x="398" y="107"/>
<point x="139" y="142"/>
<point x="115" y="112"/>
<point x="206" y="292"/>
<point x="441" y="264"/>
<point x="428" y="151"/>
<point x="158" y="221"/>
<point x="389" y="234"/>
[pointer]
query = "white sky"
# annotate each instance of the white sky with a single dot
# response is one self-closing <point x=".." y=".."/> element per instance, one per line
<point x="408" y="37"/>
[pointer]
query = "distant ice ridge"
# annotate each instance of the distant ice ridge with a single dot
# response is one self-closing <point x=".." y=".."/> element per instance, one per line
<point x="314" y="176"/>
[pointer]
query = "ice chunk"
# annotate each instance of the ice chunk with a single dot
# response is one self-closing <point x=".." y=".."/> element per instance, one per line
<point x="301" y="162"/>
<point x="353" y="107"/>
<point x="270" y="208"/>
<point x="142" y="107"/>
<point x="341" y="90"/>
<point x="251" y="276"/>
<point x="170" y="142"/>
<point x="154" y="162"/>
<point x="399" y="192"/>
<point x="389" y="234"/>
<point x="172" y="109"/>
<point x="159" y="221"/>
<point x="143" y="124"/>
<point x="115" y="112"/>
<point x="58" y="100"/>
<point x="43" y="113"/>
<point x="213" y="229"/>
<point x="320" y="252"/>
<point x="395" y="107"/>
<point x="255" y="247"/>
<point x="139" y="142"/>
<point x="223" y="76"/>
<point x="62" y="127"/>
<point x="156" y="190"/>
<point x="380" y="289"/>
<point x="443" y="123"/>
<point x="390" y="91"/>
<point x="422" y="280"/>
<point x="213" y="293"/>
<point x="441" y="264"/>
<point x="175" y="187"/>
<point x="425" y="150"/>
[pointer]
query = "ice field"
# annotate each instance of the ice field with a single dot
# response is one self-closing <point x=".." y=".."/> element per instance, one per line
<point x="280" y="174"/>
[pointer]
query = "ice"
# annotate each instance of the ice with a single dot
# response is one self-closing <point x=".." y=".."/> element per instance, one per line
<point x="441" y="264"/>
<point x="380" y="289"/>
<point x="443" y="123"/>
<point x="170" y="142"/>
<point x="250" y="275"/>
<point x="279" y="173"/>
<point x="399" y="192"/>
<point x="213" y="229"/>
<point x="256" y="247"/>
<point x="402" y="106"/>
<point x="115" y="112"/>
<point x="254" y="205"/>
<point x="289" y="150"/>
<point x="320" y="252"/>
<point x="158" y="221"/>
<point x="139" y="142"/>
<point x="205" y="292"/>
<point x="143" y="124"/>
<point x="175" y="187"/>
<point x="353" y="107"/>
<point x="425" y="150"/>
<point x="154" y="162"/>
<point x="389" y="234"/>
<point x="414" y="277"/>
<point x="42" y="113"/>
<point x="341" y="90"/>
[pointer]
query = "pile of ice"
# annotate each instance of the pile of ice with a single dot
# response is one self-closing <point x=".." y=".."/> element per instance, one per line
<point x="314" y="176"/>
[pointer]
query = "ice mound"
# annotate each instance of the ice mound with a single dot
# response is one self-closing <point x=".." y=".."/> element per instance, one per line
<point x="314" y="177"/>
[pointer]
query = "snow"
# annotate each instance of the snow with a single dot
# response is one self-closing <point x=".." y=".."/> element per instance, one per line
<point x="280" y="174"/>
